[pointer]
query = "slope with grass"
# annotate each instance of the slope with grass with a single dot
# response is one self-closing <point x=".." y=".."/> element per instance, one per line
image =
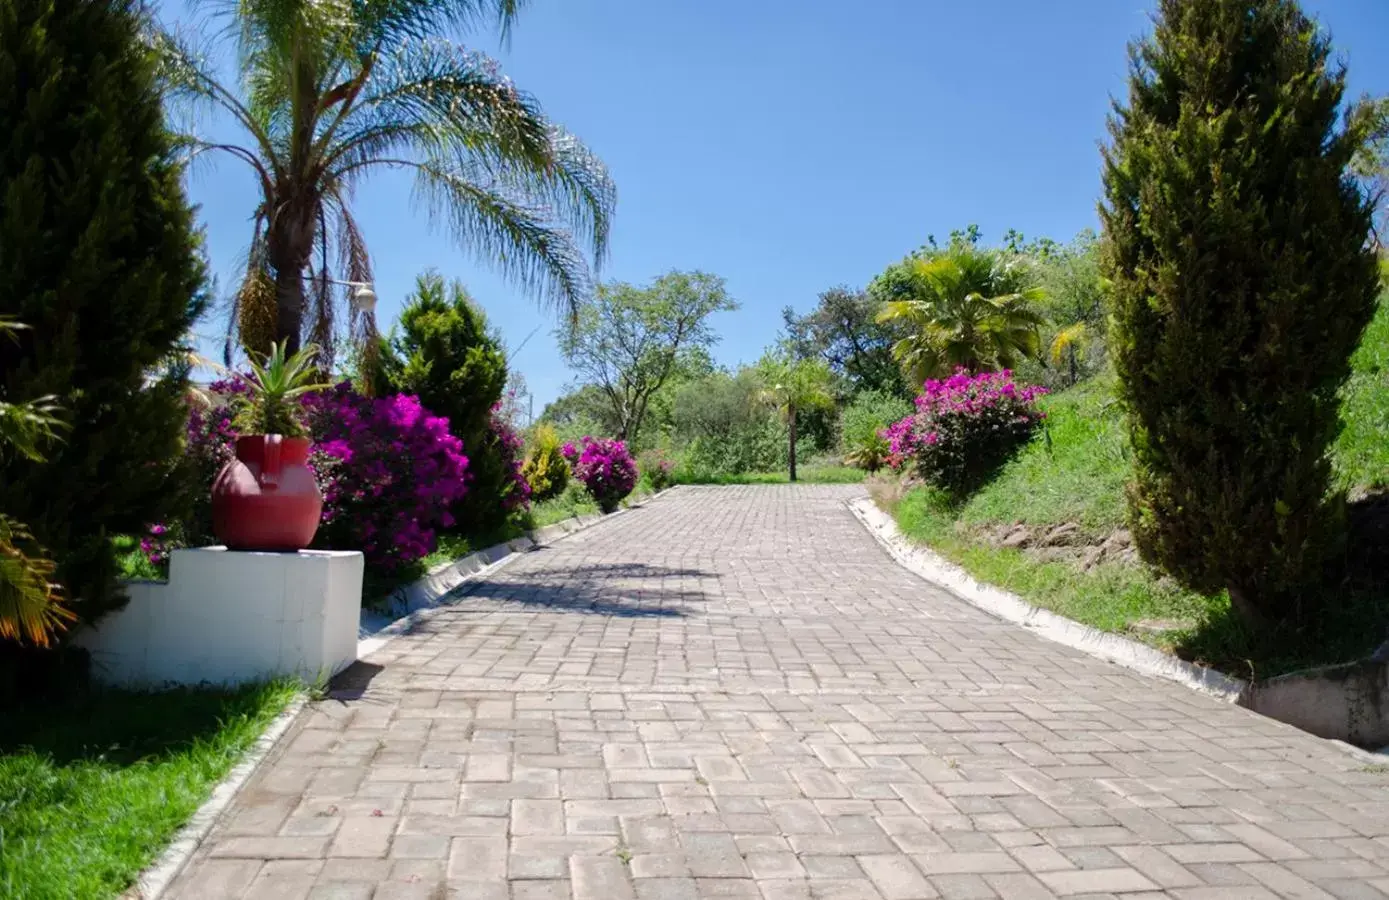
<point x="92" y="789"/>
<point x="1074" y="472"/>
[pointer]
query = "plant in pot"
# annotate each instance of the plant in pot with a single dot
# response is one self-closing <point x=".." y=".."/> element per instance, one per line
<point x="267" y="498"/>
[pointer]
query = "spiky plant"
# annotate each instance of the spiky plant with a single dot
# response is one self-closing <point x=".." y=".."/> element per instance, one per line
<point x="276" y="384"/>
<point x="964" y="307"/>
<point x="31" y="602"/>
<point x="329" y="93"/>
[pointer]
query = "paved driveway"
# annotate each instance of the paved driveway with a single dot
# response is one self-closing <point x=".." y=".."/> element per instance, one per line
<point x="734" y="692"/>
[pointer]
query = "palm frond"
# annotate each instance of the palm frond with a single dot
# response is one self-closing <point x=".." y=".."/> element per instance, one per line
<point x="31" y="603"/>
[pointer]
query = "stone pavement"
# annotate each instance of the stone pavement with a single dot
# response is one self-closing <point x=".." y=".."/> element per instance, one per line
<point x="735" y="693"/>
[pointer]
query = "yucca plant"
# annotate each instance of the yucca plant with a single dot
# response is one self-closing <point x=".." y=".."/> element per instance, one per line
<point x="275" y="385"/>
<point x="793" y="385"/>
<point x="31" y="603"/>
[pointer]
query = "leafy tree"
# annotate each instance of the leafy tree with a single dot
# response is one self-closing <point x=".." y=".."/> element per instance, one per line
<point x="583" y="410"/>
<point x="961" y="307"/>
<point x="99" y="259"/>
<point x="327" y="94"/>
<point x="793" y="385"/>
<point x="843" y="330"/>
<point x="1073" y="301"/>
<point x="443" y="353"/>
<point x="726" y="426"/>
<point x="627" y="341"/>
<point x="1236" y="240"/>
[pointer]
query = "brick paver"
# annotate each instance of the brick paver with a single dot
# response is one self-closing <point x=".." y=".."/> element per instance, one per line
<point x="734" y="693"/>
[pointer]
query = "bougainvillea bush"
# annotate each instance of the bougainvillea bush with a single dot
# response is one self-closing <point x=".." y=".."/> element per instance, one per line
<point x="605" y="468"/>
<point x="964" y="427"/>
<point x="390" y="472"/>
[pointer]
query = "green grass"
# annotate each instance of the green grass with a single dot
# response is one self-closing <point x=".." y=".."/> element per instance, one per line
<point x="1362" y="449"/>
<point x="1075" y="471"/>
<point x="132" y="560"/>
<point x="91" y="790"/>
<point x="1109" y="597"/>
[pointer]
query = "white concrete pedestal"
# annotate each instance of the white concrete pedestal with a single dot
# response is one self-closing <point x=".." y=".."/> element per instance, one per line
<point x="226" y="617"/>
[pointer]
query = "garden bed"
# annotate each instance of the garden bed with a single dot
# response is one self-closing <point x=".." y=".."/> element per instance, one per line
<point x="92" y="788"/>
<point x="1049" y="526"/>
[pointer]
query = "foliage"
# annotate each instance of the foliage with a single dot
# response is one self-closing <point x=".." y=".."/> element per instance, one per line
<point x="725" y="428"/>
<point x="605" y="468"/>
<point x="31" y="603"/>
<point x="627" y="341"/>
<point x="325" y="96"/>
<point x="443" y="353"/>
<point x="843" y="330"/>
<point x="861" y="424"/>
<point x="656" y="468"/>
<point x="793" y="386"/>
<point x="96" y="784"/>
<point x="270" y="401"/>
<point x="1075" y="472"/>
<point x="546" y="470"/>
<point x="392" y="472"/>
<point x="1362" y="448"/>
<point x="1110" y="596"/>
<point x="961" y="307"/>
<point x="582" y="410"/>
<point x="99" y="259"/>
<point x="1073" y="302"/>
<point x="1235" y="238"/>
<point x="965" y="427"/>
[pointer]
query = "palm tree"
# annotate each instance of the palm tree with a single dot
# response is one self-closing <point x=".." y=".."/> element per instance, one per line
<point x="332" y="92"/>
<point x="964" y="307"/>
<point x="794" y="384"/>
<point x="31" y="604"/>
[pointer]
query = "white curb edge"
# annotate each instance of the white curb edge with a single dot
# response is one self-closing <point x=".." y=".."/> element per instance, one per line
<point x="431" y="591"/>
<point x="155" y="879"/>
<point x="1130" y="654"/>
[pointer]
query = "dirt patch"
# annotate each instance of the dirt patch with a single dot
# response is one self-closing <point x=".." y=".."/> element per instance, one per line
<point x="1067" y="541"/>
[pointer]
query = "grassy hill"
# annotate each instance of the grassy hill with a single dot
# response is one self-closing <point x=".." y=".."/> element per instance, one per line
<point x="1074" y="474"/>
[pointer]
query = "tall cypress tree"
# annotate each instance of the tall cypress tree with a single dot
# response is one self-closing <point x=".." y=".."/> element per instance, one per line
<point x="1242" y="282"/>
<point x="444" y="354"/>
<point x="99" y="258"/>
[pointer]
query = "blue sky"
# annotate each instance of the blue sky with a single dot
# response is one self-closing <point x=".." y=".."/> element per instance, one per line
<point x="790" y="145"/>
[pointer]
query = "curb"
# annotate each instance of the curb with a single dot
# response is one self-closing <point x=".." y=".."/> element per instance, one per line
<point x="375" y="630"/>
<point x="155" y="879"/>
<point x="932" y="567"/>
<point x="409" y="602"/>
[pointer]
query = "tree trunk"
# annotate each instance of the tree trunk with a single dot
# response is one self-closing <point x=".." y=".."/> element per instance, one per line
<point x="1247" y="610"/>
<point x="791" y="421"/>
<point x="289" y="241"/>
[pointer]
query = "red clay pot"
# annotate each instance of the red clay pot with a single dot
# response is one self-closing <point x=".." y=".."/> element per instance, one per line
<point x="267" y="498"/>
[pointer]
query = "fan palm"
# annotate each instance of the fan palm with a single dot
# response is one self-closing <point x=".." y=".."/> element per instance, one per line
<point x="795" y="384"/>
<point x="966" y="307"/>
<point x="31" y="604"/>
<point x="332" y="91"/>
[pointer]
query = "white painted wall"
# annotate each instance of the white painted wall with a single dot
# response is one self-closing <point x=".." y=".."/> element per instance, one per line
<point x="226" y="617"/>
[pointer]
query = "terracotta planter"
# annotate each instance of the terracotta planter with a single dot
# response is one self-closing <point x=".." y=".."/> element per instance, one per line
<point x="267" y="498"/>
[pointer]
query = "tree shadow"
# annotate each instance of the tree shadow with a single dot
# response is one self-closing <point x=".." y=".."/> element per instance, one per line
<point x="119" y="728"/>
<point x="623" y="590"/>
<point x="1349" y="621"/>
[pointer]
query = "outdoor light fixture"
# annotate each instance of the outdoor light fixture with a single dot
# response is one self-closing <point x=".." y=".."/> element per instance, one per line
<point x="363" y="298"/>
<point x="363" y="295"/>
